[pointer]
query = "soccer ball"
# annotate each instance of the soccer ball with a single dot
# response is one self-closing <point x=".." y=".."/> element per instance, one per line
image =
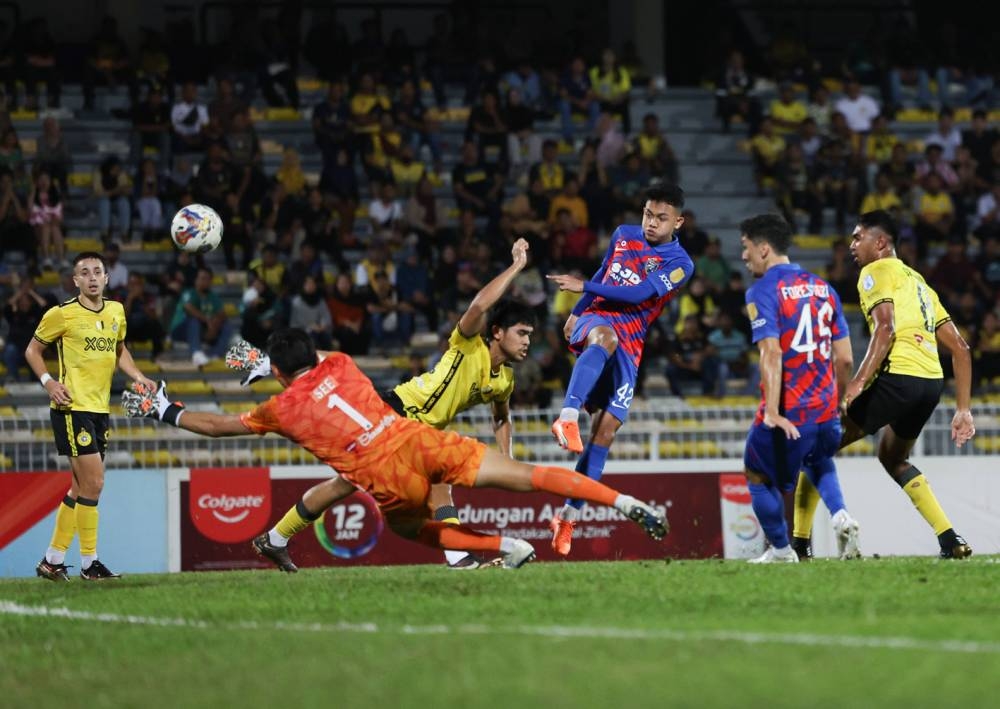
<point x="196" y="228"/>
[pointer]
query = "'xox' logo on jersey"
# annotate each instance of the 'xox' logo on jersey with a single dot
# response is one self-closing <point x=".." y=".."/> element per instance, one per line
<point x="99" y="344"/>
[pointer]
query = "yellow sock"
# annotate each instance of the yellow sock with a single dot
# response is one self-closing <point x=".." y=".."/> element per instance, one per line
<point x="294" y="521"/>
<point x="65" y="530"/>
<point x="926" y="503"/>
<point x="806" y="500"/>
<point x="86" y="525"/>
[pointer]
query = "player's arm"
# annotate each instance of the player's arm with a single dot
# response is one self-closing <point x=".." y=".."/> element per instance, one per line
<point x="963" y="428"/>
<point x="843" y="363"/>
<point x="127" y="364"/>
<point x="588" y="298"/>
<point x="473" y="320"/>
<point x="770" y="377"/>
<point x="503" y="428"/>
<point x="56" y="390"/>
<point x="155" y="404"/>
<point x="621" y="294"/>
<point x="883" y="317"/>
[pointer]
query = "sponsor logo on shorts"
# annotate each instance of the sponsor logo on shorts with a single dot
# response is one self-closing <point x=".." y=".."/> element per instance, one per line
<point x="230" y="505"/>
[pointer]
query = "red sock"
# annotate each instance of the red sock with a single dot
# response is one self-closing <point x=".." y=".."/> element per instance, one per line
<point x="567" y="483"/>
<point x="454" y="536"/>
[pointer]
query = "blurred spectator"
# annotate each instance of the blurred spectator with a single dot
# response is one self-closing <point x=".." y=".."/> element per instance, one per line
<point x="148" y="200"/>
<point x="525" y="80"/>
<point x="53" y="154"/>
<point x="152" y="68"/>
<point x="411" y="117"/>
<point x="655" y="152"/>
<point x="809" y="140"/>
<point x="712" y="266"/>
<point x="349" y="316"/>
<point x="384" y="308"/>
<point x="477" y="185"/>
<point x="595" y="188"/>
<point x="820" y="109"/>
<point x="117" y="271"/>
<point x="367" y="108"/>
<point x="528" y="289"/>
<point x="883" y="197"/>
<point x="954" y="272"/>
<point x="549" y="171"/>
<point x="290" y="174"/>
<point x="577" y="97"/>
<point x="849" y="140"/>
<point x="377" y="259"/>
<point x="795" y="191"/>
<point x="842" y="272"/>
<point x="413" y="282"/>
<point x="935" y="214"/>
<point x="226" y="104"/>
<point x="9" y="66"/>
<point x="989" y="169"/>
<point x="40" y="65"/>
<point x="270" y="269"/>
<point x="834" y="182"/>
<point x="406" y="171"/>
<point x="339" y="183"/>
<point x="901" y="173"/>
<point x="309" y="313"/>
<point x="697" y="302"/>
<point x="980" y="137"/>
<point x="486" y="127"/>
<point x="524" y="146"/>
<point x="247" y="160"/>
<point x="483" y="78"/>
<point x="787" y="112"/>
<point x="151" y="124"/>
<point x="141" y="316"/>
<point x="15" y="232"/>
<point x="946" y="135"/>
<point x="734" y="95"/>
<point x="107" y="63"/>
<point x="178" y="276"/>
<point x="381" y="147"/>
<point x="730" y="346"/>
<point x="276" y="73"/>
<point x="732" y="302"/>
<point x="986" y="349"/>
<point x="423" y="213"/>
<point x="262" y="311"/>
<point x="957" y="63"/>
<point x="23" y="311"/>
<point x="629" y="186"/>
<point x="987" y="214"/>
<point x="906" y="56"/>
<point x="692" y="237"/>
<point x="574" y="246"/>
<point x="307" y="265"/>
<point x="214" y="187"/>
<point x="934" y="163"/>
<point x="878" y="146"/>
<point x="859" y="109"/>
<point x="318" y="225"/>
<point x="767" y="148"/>
<point x="445" y="278"/>
<point x="199" y="320"/>
<point x="611" y="84"/>
<point x="385" y="211"/>
<point x="65" y="290"/>
<point x="691" y="358"/>
<point x="611" y="143"/>
<point x="112" y="188"/>
<point x="788" y="56"/>
<point x="571" y="200"/>
<point x="46" y="216"/>
<point x="331" y="124"/>
<point x="189" y="118"/>
<point x="12" y="160"/>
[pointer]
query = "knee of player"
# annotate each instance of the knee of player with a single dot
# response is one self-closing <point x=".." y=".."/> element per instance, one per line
<point x="605" y="338"/>
<point x="754" y="478"/>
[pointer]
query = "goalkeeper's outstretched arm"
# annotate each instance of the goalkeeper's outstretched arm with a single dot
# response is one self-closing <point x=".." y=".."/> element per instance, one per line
<point x="213" y="425"/>
<point x="145" y="401"/>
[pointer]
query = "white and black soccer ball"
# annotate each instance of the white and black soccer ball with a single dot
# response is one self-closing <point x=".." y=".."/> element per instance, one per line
<point x="196" y="228"/>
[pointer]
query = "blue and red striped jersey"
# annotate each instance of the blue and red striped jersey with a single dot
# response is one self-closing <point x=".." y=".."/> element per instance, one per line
<point x="803" y="312"/>
<point x="629" y="261"/>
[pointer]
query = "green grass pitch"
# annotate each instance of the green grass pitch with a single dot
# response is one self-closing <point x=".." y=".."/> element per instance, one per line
<point x="882" y="633"/>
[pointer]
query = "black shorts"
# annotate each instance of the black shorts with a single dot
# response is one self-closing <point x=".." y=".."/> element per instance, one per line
<point x="79" y="432"/>
<point x="902" y="402"/>
<point x="390" y="397"/>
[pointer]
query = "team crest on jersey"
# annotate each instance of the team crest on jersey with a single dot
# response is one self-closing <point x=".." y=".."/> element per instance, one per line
<point x="677" y="275"/>
<point x="651" y="264"/>
<point x="752" y="311"/>
<point x="114" y="326"/>
<point x="868" y="283"/>
<point x="83" y="438"/>
<point x="99" y="324"/>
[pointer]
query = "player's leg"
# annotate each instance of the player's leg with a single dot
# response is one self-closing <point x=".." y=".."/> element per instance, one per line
<point x="496" y="470"/>
<point x="53" y="564"/>
<point x="443" y="507"/>
<point x="88" y="469"/>
<point x="822" y="473"/>
<point x="601" y="344"/>
<point x="771" y="461"/>
<point x="273" y="544"/>
<point x="415" y="525"/>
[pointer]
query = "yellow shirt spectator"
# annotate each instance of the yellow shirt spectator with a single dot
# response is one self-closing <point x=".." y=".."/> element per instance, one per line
<point x="878" y="147"/>
<point x="788" y="113"/>
<point x="610" y="85"/>
<point x="878" y="200"/>
<point x="769" y="149"/>
<point x="576" y="206"/>
<point x="932" y="207"/>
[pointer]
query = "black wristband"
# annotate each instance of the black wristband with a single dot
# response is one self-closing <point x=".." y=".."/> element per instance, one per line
<point x="172" y="414"/>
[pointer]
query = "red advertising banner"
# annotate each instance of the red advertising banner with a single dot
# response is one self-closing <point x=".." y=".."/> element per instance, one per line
<point x="230" y="504"/>
<point x="353" y="532"/>
<point x="26" y="498"/>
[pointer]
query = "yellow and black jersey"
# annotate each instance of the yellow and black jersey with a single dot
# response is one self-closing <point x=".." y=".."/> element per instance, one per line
<point x="917" y="312"/>
<point x="87" y="342"/>
<point x="462" y="379"/>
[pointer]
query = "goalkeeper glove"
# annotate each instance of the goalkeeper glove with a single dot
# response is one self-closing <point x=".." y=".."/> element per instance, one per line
<point x="244" y="357"/>
<point x="146" y="401"/>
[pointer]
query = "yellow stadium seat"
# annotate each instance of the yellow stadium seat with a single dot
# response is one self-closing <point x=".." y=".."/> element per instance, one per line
<point x="237" y="407"/>
<point x="8" y="411"/>
<point x="3" y="392"/>
<point x="282" y="114"/>
<point x="266" y="386"/>
<point x="670" y="449"/>
<point x="23" y="114"/>
<point x="230" y="309"/>
<point x="707" y="449"/>
<point x="5" y="462"/>
<point x="987" y="444"/>
<point x="190" y="387"/>
<point x="154" y="458"/>
<point x="158" y="246"/>
<point x="80" y="179"/>
<point x="310" y="84"/>
<point x="76" y="244"/>
<point x="522" y="452"/>
<point x="683" y="423"/>
<point x="266" y="455"/>
<point x="147" y="366"/>
<point x="861" y="447"/>
<point x="216" y="366"/>
<point x="915" y="115"/>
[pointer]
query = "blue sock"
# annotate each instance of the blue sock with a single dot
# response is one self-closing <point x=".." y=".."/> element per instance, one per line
<point x="586" y="372"/>
<point x="591" y="464"/>
<point x="823" y="476"/>
<point x="770" y="510"/>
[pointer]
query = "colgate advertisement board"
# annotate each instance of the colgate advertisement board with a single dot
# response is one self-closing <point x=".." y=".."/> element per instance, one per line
<point x="353" y="532"/>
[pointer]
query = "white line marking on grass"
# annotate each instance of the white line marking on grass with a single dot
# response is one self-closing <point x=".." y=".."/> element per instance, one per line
<point x="543" y="631"/>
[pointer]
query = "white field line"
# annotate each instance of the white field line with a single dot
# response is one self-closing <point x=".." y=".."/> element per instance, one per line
<point x="543" y="631"/>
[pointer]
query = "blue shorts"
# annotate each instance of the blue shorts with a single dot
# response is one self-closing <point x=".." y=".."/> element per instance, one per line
<point x="768" y="452"/>
<point x="615" y="387"/>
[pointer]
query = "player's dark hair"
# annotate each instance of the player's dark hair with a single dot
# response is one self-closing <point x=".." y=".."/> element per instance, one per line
<point x="768" y="228"/>
<point x="508" y="314"/>
<point x="84" y="255"/>
<point x="881" y="220"/>
<point x="291" y="350"/>
<point x="666" y="192"/>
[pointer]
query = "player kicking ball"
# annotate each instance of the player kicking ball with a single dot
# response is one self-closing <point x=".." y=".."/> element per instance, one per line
<point x="331" y="409"/>
<point x="472" y="371"/>
<point x="644" y="268"/>
<point x="805" y="353"/>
